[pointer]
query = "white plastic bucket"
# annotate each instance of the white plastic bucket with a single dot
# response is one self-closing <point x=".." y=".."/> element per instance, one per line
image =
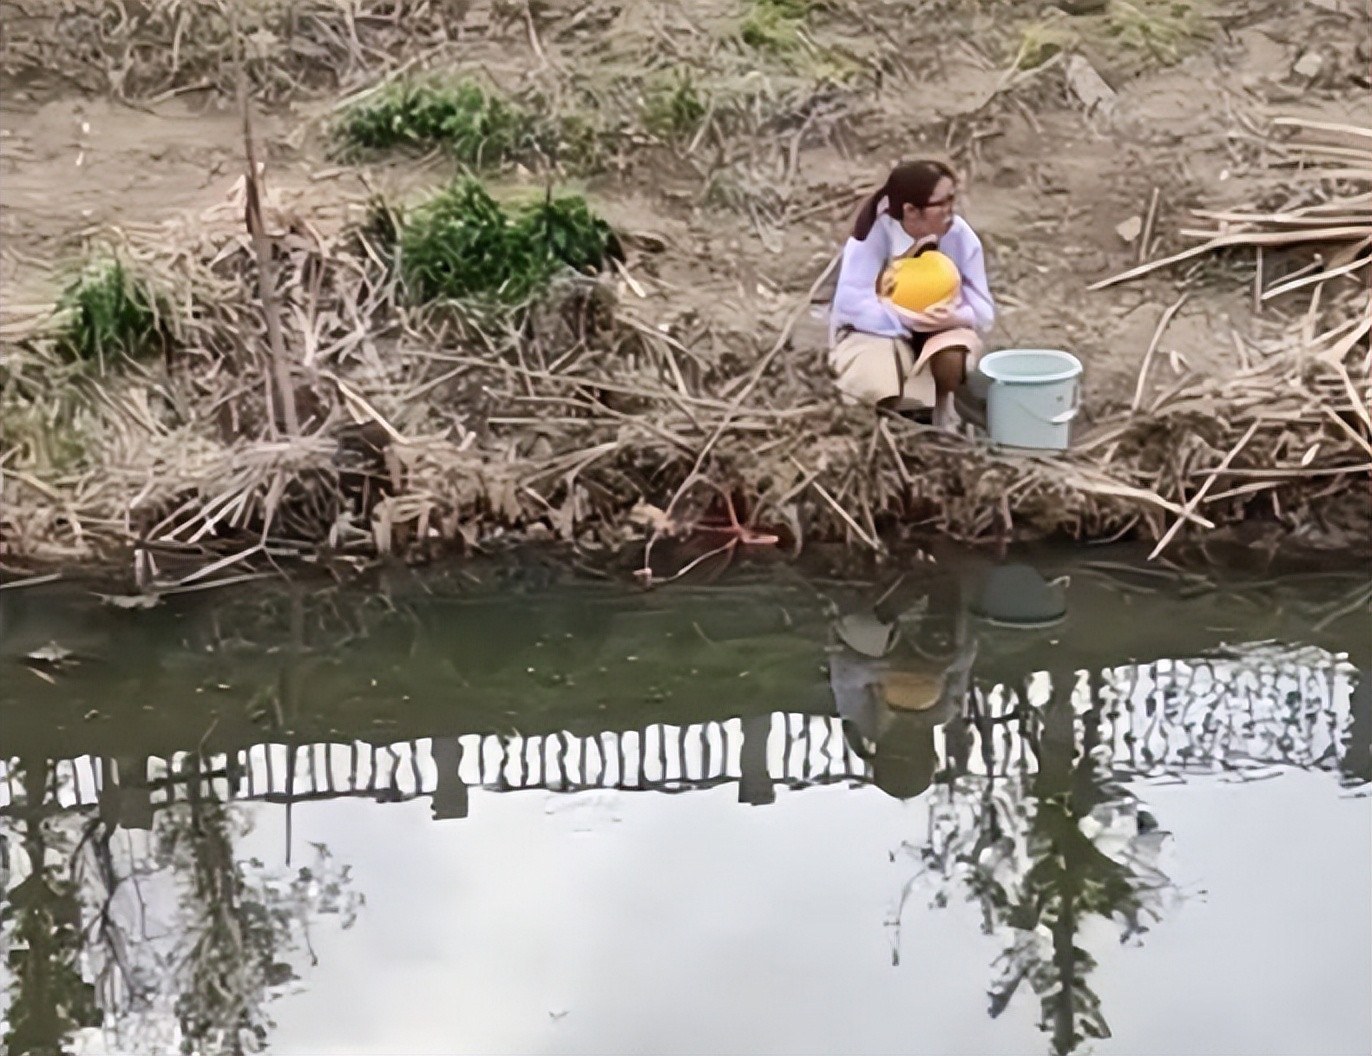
<point x="1034" y="395"/>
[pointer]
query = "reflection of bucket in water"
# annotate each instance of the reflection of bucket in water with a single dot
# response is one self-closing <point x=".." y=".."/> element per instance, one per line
<point x="1018" y="596"/>
<point x="1035" y="394"/>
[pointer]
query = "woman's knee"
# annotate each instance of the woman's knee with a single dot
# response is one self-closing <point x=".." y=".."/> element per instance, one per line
<point x="949" y="367"/>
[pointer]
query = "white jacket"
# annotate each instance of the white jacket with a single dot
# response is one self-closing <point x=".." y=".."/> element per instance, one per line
<point x="855" y="300"/>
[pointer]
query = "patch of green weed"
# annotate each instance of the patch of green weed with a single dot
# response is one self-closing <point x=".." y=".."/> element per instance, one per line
<point x="1161" y="29"/>
<point x="774" y="25"/>
<point x="577" y="143"/>
<point x="1039" y="42"/>
<point x="565" y="233"/>
<point x="478" y="127"/>
<point x="463" y="245"/>
<point x="106" y="312"/>
<point x="674" y="110"/>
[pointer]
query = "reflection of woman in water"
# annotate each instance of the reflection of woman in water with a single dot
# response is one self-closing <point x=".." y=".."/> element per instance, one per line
<point x="894" y="685"/>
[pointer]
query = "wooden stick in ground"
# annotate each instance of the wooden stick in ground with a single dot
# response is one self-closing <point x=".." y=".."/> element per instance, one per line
<point x="1196" y="498"/>
<point x="266" y="274"/>
<point x="1167" y="314"/>
<point x="222" y="563"/>
<point x="363" y="407"/>
<point x="1089" y="478"/>
<point x="1146" y="235"/>
<point x="31" y="581"/>
<point x="1356" y="436"/>
<point x="1356" y="400"/>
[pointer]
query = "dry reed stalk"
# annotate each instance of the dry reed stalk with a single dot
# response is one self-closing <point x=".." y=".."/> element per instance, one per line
<point x="1349" y="233"/>
<point x="1196" y="499"/>
<point x="1153" y="343"/>
<point x="285" y="387"/>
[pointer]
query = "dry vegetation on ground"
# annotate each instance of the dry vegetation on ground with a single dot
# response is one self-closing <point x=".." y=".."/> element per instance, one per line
<point x="679" y="390"/>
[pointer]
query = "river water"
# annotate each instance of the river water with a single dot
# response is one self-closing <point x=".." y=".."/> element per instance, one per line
<point x="1047" y="805"/>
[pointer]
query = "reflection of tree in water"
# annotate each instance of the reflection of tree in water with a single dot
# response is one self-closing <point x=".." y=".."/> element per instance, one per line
<point x="1043" y="835"/>
<point x="1069" y="879"/>
<point x="232" y="959"/>
<point x="1029" y="843"/>
<point x="184" y="942"/>
<point x="42" y="922"/>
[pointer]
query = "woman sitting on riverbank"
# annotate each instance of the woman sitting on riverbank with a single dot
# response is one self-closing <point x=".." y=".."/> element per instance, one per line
<point x="909" y="360"/>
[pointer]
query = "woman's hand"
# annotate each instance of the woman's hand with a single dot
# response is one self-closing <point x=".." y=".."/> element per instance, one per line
<point x="938" y="317"/>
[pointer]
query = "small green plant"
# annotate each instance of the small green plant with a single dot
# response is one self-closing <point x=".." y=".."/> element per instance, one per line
<point x="566" y="234"/>
<point x="775" y="25"/>
<point x="1162" y="29"/>
<point x="462" y="245"/>
<point x="479" y="128"/>
<point x="456" y="245"/>
<point x="1039" y="42"/>
<point x="106" y="312"/>
<point x="674" y="111"/>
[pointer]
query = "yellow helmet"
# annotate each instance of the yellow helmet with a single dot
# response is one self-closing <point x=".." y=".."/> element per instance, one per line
<point x="918" y="283"/>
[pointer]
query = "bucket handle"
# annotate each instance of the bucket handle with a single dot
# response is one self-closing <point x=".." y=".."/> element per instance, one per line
<point x="1071" y="412"/>
<point x="1067" y="415"/>
<point x="1063" y="418"/>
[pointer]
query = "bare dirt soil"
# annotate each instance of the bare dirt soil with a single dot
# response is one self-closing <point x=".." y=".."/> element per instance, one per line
<point x="1068" y="163"/>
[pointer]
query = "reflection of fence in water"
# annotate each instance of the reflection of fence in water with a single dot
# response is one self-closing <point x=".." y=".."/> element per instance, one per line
<point x="795" y="749"/>
<point x="1273" y="705"/>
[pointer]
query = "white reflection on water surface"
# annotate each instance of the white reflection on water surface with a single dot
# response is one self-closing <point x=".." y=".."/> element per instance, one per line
<point x="689" y="924"/>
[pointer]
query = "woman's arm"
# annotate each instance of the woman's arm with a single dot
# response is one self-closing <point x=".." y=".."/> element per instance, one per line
<point x="975" y="308"/>
<point x="856" y="302"/>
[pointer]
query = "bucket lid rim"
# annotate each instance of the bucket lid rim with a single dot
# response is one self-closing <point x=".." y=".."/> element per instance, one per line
<point x="1071" y="366"/>
<point x="1053" y="351"/>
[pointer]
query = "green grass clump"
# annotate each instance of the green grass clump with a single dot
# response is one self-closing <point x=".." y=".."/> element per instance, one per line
<point x="479" y="128"/>
<point x="462" y="245"/>
<point x="774" y="25"/>
<point x="1162" y="29"/>
<point x="1039" y="42"/>
<point x="1157" y="31"/>
<point x="674" y="110"/>
<point x="106" y="312"/>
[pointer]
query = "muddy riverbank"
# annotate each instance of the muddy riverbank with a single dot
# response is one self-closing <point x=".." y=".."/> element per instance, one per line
<point x="676" y="395"/>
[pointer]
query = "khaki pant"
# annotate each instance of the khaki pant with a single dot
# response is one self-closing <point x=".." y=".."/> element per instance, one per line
<point x="868" y="368"/>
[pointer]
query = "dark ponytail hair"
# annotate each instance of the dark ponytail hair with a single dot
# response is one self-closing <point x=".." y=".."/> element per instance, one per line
<point x="910" y="183"/>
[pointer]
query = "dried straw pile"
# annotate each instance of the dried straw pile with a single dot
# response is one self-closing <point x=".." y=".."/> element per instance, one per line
<point x="578" y="420"/>
<point x="1288" y="433"/>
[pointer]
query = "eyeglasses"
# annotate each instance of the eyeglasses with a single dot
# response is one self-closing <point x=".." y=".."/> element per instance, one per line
<point x="939" y="203"/>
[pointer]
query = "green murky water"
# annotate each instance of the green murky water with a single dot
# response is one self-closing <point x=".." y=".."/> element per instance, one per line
<point x="1048" y="807"/>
